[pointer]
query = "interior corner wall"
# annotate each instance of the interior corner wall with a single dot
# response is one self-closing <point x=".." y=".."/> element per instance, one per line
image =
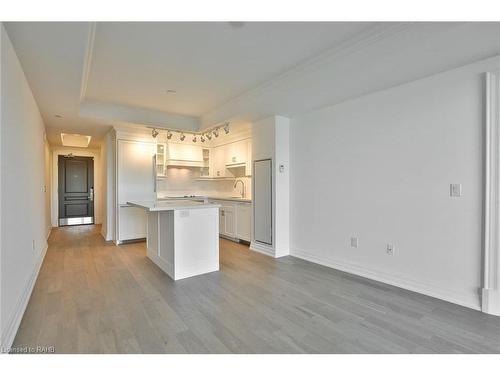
<point x="270" y="140"/>
<point x="23" y="216"/>
<point x="379" y="168"/>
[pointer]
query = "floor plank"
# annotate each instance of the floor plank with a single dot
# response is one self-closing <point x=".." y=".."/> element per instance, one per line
<point x="94" y="297"/>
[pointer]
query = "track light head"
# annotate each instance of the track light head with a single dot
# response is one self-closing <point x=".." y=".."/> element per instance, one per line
<point x="194" y="138"/>
<point x="209" y="136"/>
<point x="202" y="138"/>
<point x="216" y="132"/>
<point x="182" y="137"/>
<point x="154" y="133"/>
<point x="169" y="134"/>
<point x="226" y="128"/>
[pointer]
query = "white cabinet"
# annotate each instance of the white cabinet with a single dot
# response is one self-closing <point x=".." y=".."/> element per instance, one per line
<point x="236" y="152"/>
<point x="132" y="222"/>
<point x="219" y="165"/>
<point x="135" y="181"/>
<point x="244" y="221"/>
<point x="161" y="168"/>
<point x="229" y="214"/>
<point x="235" y="219"/>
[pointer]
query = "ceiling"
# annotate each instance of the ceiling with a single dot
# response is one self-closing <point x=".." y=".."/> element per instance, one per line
<point x="135" y="63"/>
<point x="97" y="74"/>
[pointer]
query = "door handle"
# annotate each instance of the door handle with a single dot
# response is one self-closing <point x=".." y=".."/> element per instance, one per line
<point x="91" y="195"/>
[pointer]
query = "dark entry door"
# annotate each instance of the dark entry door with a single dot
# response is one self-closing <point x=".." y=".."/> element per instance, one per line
<point x="76" y="190"/>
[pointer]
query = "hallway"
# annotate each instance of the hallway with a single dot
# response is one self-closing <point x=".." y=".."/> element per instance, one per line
<point x="94" y="297"/>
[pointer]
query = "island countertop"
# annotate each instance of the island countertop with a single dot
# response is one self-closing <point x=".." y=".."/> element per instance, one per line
<point x="166" y="205"/>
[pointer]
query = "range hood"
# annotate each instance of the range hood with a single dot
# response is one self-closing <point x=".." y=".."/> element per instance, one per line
<point x="184" y="155"/>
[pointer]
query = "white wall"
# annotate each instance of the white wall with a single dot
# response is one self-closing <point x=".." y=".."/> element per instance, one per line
<point x="76" y="151"/>
<point x="379" y="168"/>
<point x="23" y="216"/>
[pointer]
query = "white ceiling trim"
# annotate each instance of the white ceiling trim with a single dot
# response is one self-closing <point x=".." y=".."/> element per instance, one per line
<point x="87" y="63"/>
<point x="113" y="113"/>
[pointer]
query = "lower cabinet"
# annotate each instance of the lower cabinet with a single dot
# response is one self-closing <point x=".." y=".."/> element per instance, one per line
<point x="229" y="214"/>
<point x="235" y="219"/>
<point x="244" y="221"/>
<point x="132" y="223"/>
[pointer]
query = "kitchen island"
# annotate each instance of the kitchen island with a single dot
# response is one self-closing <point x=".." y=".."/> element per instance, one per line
<point x="182" y="236"/>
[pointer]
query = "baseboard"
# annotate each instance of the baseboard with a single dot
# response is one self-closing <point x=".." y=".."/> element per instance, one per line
<point x="261" y="248"/>
<point x="15" y="320"/>
<point x="490" y="301"/>
<point x="469" y="300"/>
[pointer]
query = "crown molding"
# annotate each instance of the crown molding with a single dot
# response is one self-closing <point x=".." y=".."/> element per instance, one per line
<point x="87" y="62"/>
<point x="373" y="35"/>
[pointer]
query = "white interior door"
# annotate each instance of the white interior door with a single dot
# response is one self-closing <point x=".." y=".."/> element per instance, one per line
<point x="263" y="201"/>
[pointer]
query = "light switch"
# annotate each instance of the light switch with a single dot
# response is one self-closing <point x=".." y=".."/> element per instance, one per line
<point x="354" y="242"/>
<point x="455" y="190"/>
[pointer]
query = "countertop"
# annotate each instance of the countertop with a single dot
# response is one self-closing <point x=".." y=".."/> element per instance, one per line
<point x="166" y="205"/>
<point x="203" y="196"/>
<point x="234" y="199"/>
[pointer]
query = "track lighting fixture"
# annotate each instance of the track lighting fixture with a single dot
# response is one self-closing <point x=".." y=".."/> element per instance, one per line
<point x="206" y="135"/>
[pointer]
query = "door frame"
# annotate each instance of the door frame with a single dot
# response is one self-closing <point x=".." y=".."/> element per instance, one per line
<point x="490" y="291"/>
<point x="56" y="151"/>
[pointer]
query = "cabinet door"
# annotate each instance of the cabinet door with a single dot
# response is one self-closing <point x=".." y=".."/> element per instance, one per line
<point x="243" y="221"/>
<point x="135" y="178"/>
<point x="236" y="152"/>
<point x="219" y="164"/>
<point x="160" y="160"/>
<point x="229" y="221"/>
<point x="132" y="223"/>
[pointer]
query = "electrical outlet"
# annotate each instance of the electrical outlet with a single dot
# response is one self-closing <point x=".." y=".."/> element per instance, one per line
<point x="354" y="242"/>
<point x="390" y="249"/>
<point x="455" y="190"/>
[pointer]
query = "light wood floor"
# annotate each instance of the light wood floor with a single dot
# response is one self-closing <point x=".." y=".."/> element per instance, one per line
<point x="94" y="297"/>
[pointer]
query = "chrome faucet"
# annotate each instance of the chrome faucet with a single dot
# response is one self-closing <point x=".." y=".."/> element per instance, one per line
<point x="242" y="187"/>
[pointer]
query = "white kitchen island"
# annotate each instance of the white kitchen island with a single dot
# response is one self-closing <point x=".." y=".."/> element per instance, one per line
<point x="182" y="236"/>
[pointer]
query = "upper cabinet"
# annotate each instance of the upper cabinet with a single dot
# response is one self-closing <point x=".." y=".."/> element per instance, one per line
<point x="224" y="161"/>
<point x="161" y="168"/>
<point x="236" y="153"/>
<point x="219" y="165"/>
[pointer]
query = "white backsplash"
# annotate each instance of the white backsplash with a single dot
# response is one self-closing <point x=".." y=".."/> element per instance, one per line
<point x="183" y="181"/>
